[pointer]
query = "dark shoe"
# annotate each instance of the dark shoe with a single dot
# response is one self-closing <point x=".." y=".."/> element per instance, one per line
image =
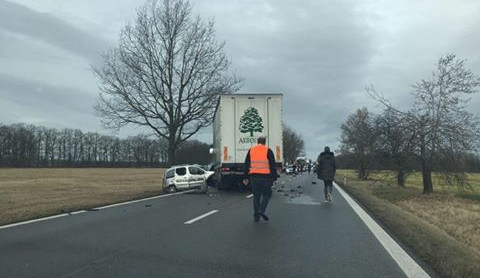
<point x="256" y="217"/>
<point x="263" y="216"/>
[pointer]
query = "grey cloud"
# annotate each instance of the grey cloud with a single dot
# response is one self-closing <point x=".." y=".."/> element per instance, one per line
<point x="19" y="19"/>
<point x="316" y="53"/>
<point x="321" y="54"/>
<point x="61" y="105"/>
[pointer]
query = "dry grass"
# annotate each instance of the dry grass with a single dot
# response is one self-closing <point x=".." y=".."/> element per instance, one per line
<point x="442" y="227"/>
<point x="32" y="193"/>
<point x="457" y="217"/>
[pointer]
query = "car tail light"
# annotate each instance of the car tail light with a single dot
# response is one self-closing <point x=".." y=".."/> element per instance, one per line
<point x="224" y="169"/>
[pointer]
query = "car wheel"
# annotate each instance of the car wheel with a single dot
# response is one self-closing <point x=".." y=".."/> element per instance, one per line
<point x="171" y="189"/>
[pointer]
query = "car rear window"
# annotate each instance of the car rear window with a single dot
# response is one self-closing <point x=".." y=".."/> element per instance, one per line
<point x="181" y="171"/>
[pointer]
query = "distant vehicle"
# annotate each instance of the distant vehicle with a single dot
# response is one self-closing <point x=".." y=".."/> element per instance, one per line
<point x="239" y="120"/>
<point x="289" y="170"/>
<point x="184" y="177"/>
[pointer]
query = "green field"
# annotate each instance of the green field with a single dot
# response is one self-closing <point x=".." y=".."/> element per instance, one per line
<point x="414" y="181"/>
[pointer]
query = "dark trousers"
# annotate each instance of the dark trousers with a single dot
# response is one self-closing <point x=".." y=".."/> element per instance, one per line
<point x="262" y="191"/>
<point x="328" y="187"/>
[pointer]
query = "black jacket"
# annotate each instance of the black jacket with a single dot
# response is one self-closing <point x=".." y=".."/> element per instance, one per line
<point x="326" y="166"/>
<point x="271" y="161"/>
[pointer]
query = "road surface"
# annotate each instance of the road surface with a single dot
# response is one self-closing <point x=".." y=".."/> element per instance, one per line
<point x="194" y="235"/>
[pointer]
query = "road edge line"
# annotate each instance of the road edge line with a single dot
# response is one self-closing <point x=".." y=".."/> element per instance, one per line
<point x="82" y="211"/>
<point x="145" y="199"/>
<point x="33" y="221"/>
<point x="408" y="265"/>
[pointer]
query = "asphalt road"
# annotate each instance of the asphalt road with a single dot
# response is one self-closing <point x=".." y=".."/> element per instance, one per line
<point x="304" y="238"/>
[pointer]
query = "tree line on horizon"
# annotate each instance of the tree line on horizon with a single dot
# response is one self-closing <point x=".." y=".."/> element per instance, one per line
<point x="24" y="145"/>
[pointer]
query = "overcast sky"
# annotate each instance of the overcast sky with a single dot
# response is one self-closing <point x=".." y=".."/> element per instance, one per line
<point x="319" y="54"/>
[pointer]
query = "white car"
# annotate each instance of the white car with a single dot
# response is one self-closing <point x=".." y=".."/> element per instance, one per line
<point x="289" y="170"/>
<point x="184" y="177"/>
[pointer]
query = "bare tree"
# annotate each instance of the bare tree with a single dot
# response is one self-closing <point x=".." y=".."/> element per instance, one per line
<point x="166" y="74"/>
<point x="396" y="137"/>
<point x="293" y="145"/>
<point x="358" y="137"/>
<point x="444" y="126"/>
<point x="444" y="129"/>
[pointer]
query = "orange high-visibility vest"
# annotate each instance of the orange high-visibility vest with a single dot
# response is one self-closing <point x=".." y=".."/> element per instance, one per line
<point x="259" y="160"/>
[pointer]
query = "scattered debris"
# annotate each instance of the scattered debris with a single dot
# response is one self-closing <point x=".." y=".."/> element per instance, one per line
<point x="314" y="182"/>
<point x="147" y="206"/>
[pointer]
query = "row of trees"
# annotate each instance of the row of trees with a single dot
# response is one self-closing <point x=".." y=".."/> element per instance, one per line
<point x="31" y="146"/>
<point x="436" y="134"/>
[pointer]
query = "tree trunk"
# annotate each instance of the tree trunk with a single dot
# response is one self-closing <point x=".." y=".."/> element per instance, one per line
<point x="172" y="148"/>
<point x="362" y="173"/>
<point x="427" y="178"/>
<point x="401" y="178"/>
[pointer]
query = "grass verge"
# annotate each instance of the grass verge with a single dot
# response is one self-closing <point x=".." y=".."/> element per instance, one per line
<point x="33" y="193"/>
<point x="448" y="255"/>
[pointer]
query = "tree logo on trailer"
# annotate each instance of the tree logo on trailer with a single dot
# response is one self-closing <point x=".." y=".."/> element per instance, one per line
<point x="251" y="121"/>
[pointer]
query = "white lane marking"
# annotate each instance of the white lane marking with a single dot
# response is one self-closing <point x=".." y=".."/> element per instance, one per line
<point x="146" y="199"/>
<point x="82" y="211"/>
<point x="200" y="217"/>
<point x="404" y="261"/>
<point x="33" y="221"/>
<point x="249" y="196"/>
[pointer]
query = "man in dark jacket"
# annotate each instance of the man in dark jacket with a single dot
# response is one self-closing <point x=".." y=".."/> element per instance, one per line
<point x="262" y="172"/>
<point x="326" y="172"/>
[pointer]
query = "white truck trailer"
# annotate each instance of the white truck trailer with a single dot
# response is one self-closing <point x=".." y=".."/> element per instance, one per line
<point x="239" y="120"/>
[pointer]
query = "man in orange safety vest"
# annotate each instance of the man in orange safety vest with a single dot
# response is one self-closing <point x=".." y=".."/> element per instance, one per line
<point x="261" y="170"/>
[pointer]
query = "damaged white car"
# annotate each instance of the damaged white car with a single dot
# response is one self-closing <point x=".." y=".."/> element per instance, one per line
<point x="184" y="177"/>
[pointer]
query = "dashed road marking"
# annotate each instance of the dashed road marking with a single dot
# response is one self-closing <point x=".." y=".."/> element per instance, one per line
<point x="200" y="217"/>
<point x="77" y="212"/>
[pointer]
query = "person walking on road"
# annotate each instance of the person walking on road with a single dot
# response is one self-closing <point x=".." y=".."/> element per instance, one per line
<point x="326" y="172"/>
<point x="262" y="172"/>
